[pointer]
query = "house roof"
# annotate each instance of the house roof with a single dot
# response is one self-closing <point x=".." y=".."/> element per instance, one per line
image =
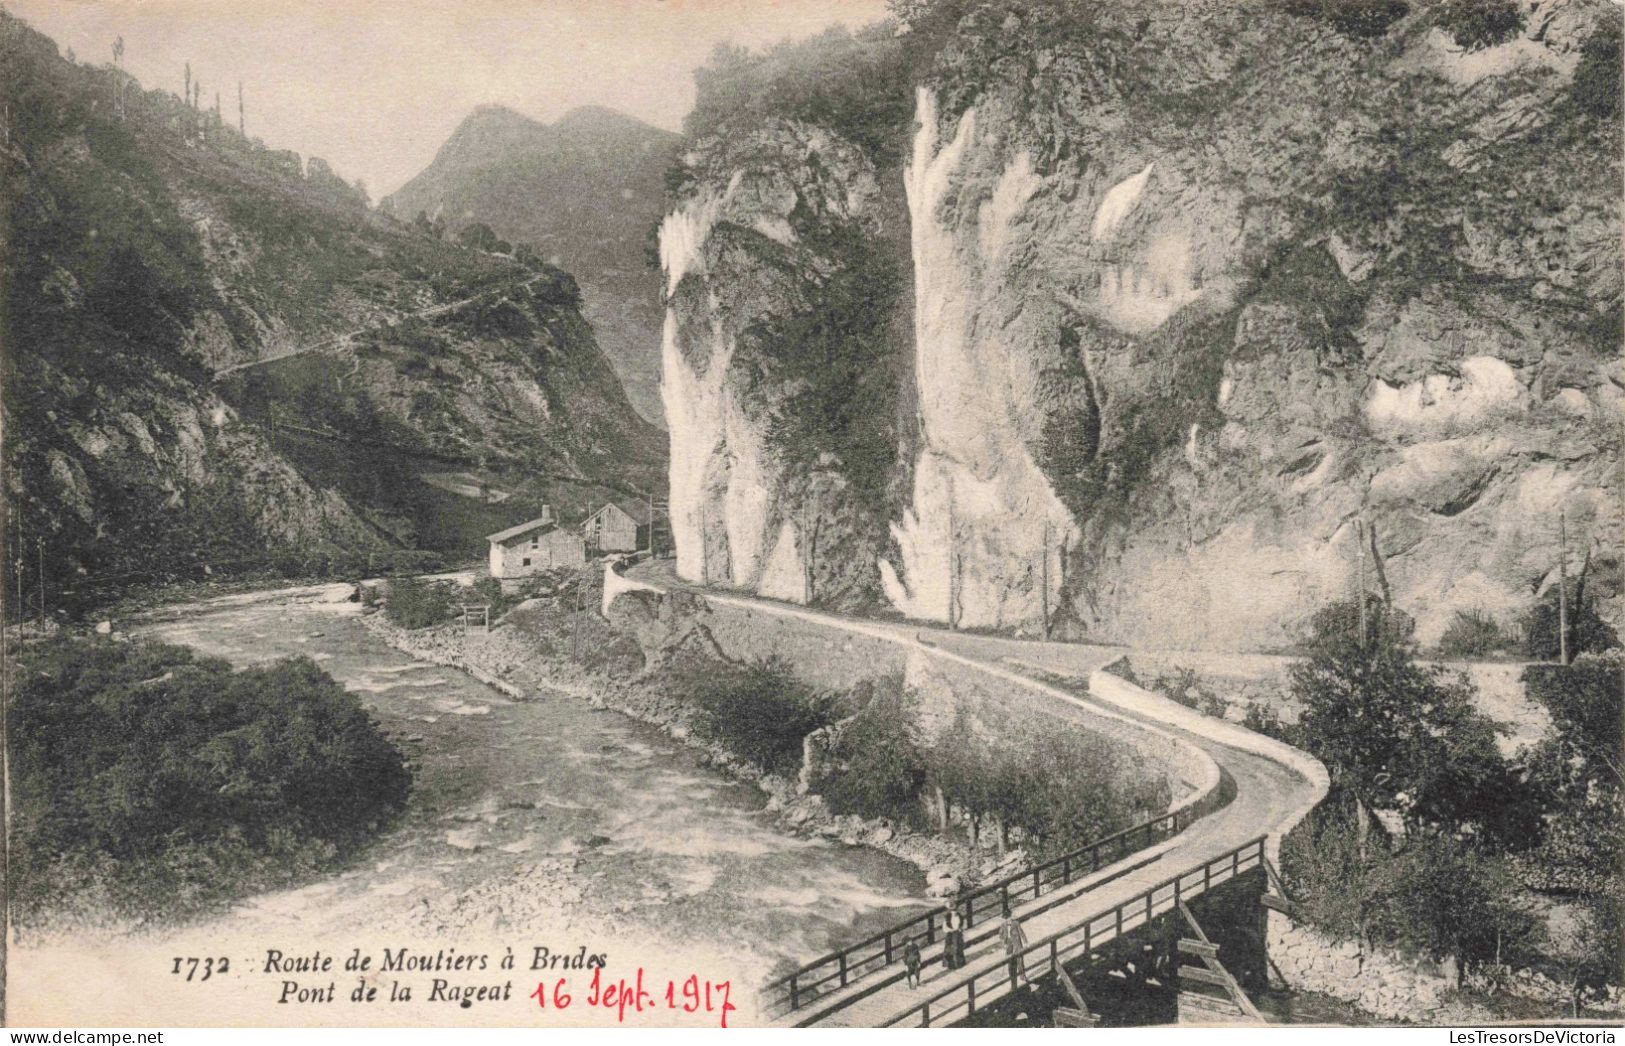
<point x="523" y="528"/>
<point x="617" y="508"/>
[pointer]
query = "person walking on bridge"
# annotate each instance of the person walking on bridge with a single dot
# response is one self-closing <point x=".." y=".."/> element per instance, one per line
<point x="1014" y="939"/>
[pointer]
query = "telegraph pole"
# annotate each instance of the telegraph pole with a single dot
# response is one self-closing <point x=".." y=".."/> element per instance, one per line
<point x="1359" y="537"/>
<point x="1044" y="581"/>
<point x="1562" y="587"/>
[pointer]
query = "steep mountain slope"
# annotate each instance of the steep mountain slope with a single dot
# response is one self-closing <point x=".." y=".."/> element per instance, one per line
<point x="585" y="191"/>
<point x="1201" y="294"/>
<point x="146" y="251"/>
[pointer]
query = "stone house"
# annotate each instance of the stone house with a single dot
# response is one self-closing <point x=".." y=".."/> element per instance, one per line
<point x="539" y="544"/>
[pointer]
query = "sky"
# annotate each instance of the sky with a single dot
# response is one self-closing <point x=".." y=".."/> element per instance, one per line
<point x="375" y="86"/>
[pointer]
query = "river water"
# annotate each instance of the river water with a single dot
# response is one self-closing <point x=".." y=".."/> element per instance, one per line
<point x="542" y="822"/>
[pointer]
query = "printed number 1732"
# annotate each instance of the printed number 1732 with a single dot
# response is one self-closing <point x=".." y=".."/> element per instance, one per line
<point x="200" y="969"/>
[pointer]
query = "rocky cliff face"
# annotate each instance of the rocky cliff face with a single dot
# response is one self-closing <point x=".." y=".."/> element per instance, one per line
<point x="1214" y="309"/>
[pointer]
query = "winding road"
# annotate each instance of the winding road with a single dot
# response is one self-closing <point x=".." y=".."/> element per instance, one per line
<point x="1274" y="787"/>
<point x="342" y="341"/>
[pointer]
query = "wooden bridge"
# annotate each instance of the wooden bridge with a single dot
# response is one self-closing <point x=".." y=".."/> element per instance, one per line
<point x="1086" y="904"/>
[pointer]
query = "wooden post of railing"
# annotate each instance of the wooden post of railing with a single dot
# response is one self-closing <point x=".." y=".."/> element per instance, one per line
<point x="925" y="1015"/>
<point x="1207" y="877"/>
<point x="795" y="996"/>
<point x="843" y="969"/>
<point x="931" y="929"/>
<point x="1035" y="881"/>
<point x="1235" y="863"/>
<point x="1119" y="912"/>
<point x="1004" y="898"/>
<point x="970" y="994"/>
<point x="888" y="947"/>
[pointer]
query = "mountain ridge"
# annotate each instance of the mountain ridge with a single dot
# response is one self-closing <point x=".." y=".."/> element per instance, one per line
<point x="584" y="190"/>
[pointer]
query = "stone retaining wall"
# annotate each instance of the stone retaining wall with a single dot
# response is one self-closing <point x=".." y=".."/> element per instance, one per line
<point x="839" y="657"/>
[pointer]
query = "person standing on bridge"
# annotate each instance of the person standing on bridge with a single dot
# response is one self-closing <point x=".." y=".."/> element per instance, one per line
<point x="953" y="935"/>
<point x="1014" y="939"/>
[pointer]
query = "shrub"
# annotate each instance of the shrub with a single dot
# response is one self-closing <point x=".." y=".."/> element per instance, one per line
<point x="1264" y="719"/>
<point x="161" y="781"/>
<point x="1477" y="24"/>
<point x="1445" y="897"/>
<point x="1588" y="632"/>
<point x="413" y="603"/>
<point x="1186" y="687"/>
<point x="1474" y="633"/>
<point x="1357" y="18"/>
<point x="1437" y="895"/>
<point x="760" y="711"/>
<point x="1595" y="88"/>
<point x="880" y="766"/>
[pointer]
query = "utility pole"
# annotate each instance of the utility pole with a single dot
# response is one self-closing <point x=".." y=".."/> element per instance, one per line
<point x="1359" y="537"/>
<point x="1044" y="582"/>
<point x="118" y="77"/>
<point x="1562" y="587"/>
<point x="581" y="599"/>
<point x="953" y="555"/>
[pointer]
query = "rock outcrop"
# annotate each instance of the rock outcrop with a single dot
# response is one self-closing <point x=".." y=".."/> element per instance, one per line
<point x="1212" y="310"/>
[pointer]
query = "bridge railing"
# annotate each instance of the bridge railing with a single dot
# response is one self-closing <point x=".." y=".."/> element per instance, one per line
<point x="838" y="969"/>
<point x="1043" y="957"/>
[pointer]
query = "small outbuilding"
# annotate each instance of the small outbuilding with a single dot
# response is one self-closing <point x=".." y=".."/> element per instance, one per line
<point x="540" y="544"/>
<point x="610" y="529"/>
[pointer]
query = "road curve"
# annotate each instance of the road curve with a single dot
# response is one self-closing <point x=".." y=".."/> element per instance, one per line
<point x="1275" y="785"/>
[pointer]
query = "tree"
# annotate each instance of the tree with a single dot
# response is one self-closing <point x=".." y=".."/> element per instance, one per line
<point x="881" y="768"/>
<point x="478" y="235"/>
<point x="1446" y="898"/>
<point x="1588" y="632"/>
<point x="1395" y="734"/>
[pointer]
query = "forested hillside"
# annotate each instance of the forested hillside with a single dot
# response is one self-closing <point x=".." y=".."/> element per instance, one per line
<point x="149" y="244"/>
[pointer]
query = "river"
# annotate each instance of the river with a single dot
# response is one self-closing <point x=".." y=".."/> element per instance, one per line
<point x="542" y="822"/>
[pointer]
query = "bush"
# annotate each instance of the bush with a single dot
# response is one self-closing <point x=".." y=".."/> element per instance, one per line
<point x="1186" y="687"/>
<point x="162" y="782"/>
<point x="1588" y="632"/>
<point x="1447" y="898"/>
<point x="880" y="766"/>
<point x="1474" y="633"/>
<point x="1477" y="24"/>
<point x="1358" y="18"/>
<point x="1264" y="719"/>
<point x="1595" y="88"/>
<point x="413" y="603"/>
<point x="1437" y="895"/>
<point x="760" y="711"/>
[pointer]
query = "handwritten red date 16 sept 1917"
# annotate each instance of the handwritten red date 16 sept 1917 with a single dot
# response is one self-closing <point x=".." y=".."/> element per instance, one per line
<point x="624" y="996"/>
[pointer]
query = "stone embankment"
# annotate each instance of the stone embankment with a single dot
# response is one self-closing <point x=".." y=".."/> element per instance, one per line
<point x="1396" y="988"/>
